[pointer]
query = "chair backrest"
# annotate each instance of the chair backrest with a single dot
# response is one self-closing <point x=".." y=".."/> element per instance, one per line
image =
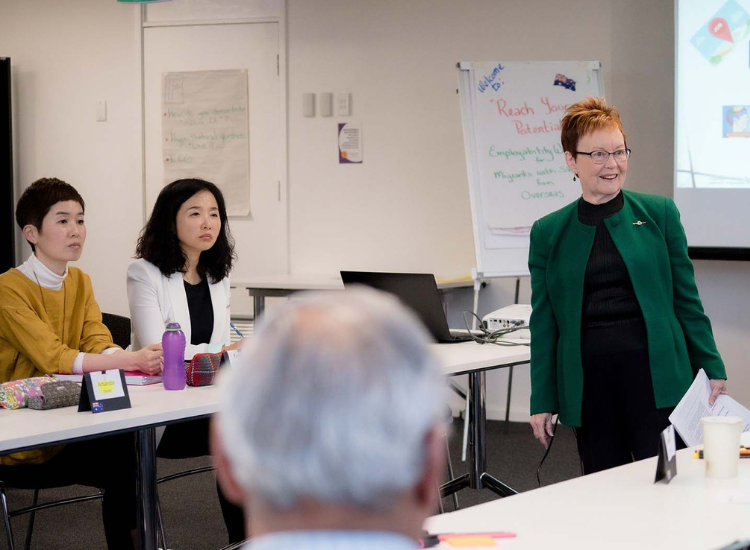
<point x="119" y="326"/>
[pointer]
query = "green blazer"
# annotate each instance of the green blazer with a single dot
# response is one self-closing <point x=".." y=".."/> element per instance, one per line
<point x="680" y="340"/>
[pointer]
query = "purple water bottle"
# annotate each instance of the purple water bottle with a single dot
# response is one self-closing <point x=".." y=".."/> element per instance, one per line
<point x="173" y="345"/>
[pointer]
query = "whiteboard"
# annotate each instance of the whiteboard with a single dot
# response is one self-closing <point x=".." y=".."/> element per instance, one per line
<point x="517" y="173"/>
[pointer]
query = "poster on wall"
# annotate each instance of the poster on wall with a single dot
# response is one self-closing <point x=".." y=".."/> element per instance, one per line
<point x="350" y="143"/>
<point x="205" y="132"/>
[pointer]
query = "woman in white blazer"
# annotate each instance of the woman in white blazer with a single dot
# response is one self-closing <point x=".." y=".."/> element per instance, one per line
<point x="181" y="274"/>
<point x="157" y="299"/>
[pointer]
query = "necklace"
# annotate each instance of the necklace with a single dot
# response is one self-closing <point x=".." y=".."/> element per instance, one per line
<point x="44" y="304"/>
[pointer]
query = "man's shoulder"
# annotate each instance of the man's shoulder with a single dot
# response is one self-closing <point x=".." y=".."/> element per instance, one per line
<point x="324" y="539"/>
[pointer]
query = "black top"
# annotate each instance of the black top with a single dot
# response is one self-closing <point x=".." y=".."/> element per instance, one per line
<point x="201" y="312"/>
<point x="611" y="318"/>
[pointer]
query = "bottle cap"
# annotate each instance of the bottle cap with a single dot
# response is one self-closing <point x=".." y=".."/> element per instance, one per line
<point x="174" y="327"/>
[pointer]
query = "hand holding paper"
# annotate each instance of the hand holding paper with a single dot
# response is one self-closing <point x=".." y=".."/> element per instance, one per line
<point x="694" y="405"/>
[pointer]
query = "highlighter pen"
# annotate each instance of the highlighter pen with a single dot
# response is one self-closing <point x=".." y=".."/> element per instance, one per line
<point x="235" y="329"/>
<point x="744" y="453"/>
<point x="433" y="540"/>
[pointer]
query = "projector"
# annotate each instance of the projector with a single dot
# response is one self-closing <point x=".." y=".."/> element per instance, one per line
<point x="516" y="315"/>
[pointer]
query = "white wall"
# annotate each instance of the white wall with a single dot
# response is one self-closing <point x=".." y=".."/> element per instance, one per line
<point x="65" y="56"/>
<point x="407" y="207"/>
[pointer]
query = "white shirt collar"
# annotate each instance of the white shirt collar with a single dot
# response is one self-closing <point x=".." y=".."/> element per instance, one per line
<point x="35" y="270"/>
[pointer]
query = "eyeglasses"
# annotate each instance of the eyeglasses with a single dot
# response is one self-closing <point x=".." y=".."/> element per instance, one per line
<point x="601" y="157"/>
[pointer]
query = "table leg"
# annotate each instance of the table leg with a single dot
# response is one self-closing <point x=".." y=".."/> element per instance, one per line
<point x="478" y="475"/>
<point x="259" y="306"/>
<point x="146" y="449"/>
<point x="507" y="400"/>
<point x="477" y="427"/>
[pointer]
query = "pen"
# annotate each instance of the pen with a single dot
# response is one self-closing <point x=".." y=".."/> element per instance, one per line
<point x="433" y="540"/>
<point x="235" y="329"/>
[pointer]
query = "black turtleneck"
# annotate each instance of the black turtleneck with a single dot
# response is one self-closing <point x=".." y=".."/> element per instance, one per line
<point x="611" y="319"/>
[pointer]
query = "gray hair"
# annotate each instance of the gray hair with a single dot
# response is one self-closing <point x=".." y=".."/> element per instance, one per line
<point x="333" y="401"/>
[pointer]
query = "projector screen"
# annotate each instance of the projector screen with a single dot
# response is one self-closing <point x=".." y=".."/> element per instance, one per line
<point x="712" y="134"/>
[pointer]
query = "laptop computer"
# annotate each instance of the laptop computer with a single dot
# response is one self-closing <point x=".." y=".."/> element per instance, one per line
<point x="418" y="291"/>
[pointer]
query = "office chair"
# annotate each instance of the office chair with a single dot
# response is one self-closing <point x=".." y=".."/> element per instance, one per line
<point x="32" y="483"/>
<point x="119" y="327"/>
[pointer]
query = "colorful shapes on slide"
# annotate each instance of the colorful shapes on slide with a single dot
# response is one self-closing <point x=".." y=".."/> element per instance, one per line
<point x="719" y="28"/>
<point x="716" y="38"/>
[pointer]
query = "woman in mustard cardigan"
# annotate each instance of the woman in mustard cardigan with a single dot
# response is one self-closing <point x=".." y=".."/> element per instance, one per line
<point x="618" y="329"/>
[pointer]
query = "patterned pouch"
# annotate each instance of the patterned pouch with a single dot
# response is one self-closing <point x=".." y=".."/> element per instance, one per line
<point x="13" y="394"/>
<point x="203" y="368"/>
<point x="63" y="393"/>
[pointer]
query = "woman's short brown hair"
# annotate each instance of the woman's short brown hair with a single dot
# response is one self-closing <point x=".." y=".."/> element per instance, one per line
<point x="586" y="116"/>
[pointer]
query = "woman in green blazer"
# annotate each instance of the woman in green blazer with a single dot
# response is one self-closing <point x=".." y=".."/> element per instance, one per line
<point x="618" y="329"/>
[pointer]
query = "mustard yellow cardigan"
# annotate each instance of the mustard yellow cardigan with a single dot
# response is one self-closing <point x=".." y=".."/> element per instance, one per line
<point x="43" y="330"/>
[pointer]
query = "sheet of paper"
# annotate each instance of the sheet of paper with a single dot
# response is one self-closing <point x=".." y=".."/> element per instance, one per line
<point x="205" y="132"/>
<point x="235" y="355"/>
<point x="693" y="406"/>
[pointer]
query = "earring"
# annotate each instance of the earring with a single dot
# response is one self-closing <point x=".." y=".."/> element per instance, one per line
<point x="574" y="178"/>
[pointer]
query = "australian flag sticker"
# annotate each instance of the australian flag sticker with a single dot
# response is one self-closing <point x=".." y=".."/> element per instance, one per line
<point x="565" y="82"/>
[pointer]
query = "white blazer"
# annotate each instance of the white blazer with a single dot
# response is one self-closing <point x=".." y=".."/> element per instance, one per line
<point x="156" y="300"/>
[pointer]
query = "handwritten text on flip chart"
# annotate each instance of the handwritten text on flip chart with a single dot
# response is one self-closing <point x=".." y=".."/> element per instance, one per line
<point x="205" y="132"/>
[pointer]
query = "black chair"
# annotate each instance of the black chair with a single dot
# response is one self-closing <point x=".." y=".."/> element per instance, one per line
<point x="119" y="327"/>
<point x="7" y="480"/>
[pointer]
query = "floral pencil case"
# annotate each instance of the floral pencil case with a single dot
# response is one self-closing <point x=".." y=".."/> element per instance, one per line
<point x="13" y="394"/>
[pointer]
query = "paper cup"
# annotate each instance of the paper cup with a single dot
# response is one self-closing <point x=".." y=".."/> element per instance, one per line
<point x="721" y="445"/>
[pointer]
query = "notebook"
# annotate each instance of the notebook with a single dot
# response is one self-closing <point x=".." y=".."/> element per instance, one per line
<point x="132" y="378"/>
<point x="417" y="291"/>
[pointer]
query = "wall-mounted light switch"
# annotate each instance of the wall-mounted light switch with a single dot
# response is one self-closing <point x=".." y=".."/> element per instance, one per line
<point x="343" y="104"/>
<point x="101" y="110"/>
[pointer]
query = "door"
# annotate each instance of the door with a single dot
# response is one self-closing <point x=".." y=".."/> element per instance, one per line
<point x="262" y="238"/>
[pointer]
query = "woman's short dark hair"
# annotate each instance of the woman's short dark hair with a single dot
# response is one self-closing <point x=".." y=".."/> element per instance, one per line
<point x="160" y="245"/>
<point x="39" y="197"/>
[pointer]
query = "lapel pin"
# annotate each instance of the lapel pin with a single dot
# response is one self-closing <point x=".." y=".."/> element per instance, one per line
<point x="639" y="222"/>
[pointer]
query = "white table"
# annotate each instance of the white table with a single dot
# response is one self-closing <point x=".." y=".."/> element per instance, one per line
<point x="620" y="508"/>
<point x="286" y="284"/>
<point x="151" y="406"/>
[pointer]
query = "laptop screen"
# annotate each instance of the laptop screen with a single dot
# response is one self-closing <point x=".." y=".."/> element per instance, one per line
<point x="417" y="291"/>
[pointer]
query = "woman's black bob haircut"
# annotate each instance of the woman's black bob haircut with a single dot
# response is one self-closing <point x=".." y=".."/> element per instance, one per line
<point x="159" y="244"/>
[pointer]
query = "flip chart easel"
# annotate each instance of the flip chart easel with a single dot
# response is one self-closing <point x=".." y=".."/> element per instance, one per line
<point x="511" y="114"/>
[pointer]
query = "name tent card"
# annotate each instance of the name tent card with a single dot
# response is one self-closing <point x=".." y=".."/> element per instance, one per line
<point x="104" y="391"/>
<point x="666" y="468"/>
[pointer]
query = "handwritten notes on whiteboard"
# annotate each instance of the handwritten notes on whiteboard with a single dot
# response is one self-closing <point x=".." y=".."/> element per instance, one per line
<point x="520" y="162"/>
<point x="205" y="132"/>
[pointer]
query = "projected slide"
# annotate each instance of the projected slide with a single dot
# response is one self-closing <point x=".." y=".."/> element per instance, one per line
<point x="713" y="94"/>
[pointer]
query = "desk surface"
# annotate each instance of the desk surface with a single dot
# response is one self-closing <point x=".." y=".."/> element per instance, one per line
<point x="319" y="282"/>
<point x="467" y="357"/>
<point x="152" y="405"/>
<point x="617" y="509"/>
